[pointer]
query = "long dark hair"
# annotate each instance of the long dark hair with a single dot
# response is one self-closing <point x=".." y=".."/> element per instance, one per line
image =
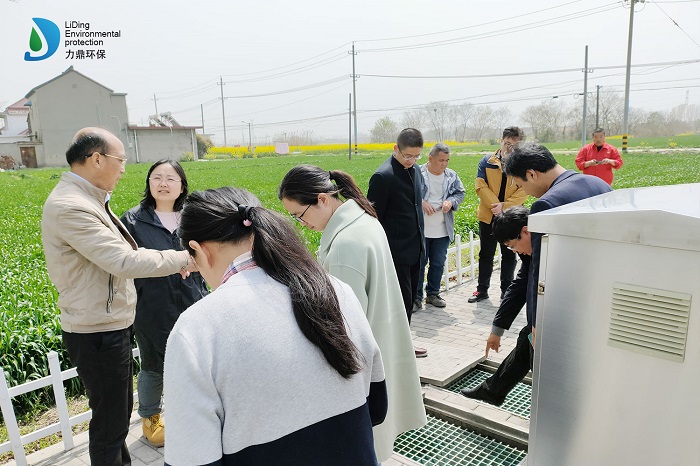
<point x="148" y="199"/>
<point x="304" y="183"/>
<point x="214" y="215"/>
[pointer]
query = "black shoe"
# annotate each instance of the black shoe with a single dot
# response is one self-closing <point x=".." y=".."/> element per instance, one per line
<point x="503" y="295"/>
<point x="482" y="394"/>
<point x="478" y="296"/>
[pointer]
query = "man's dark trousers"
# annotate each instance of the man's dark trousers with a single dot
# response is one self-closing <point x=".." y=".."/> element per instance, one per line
<point x="408" y="276"/>
<point x="513" y="368"/>
<point x="105" y="366"/>
<point x="487" y="243"/>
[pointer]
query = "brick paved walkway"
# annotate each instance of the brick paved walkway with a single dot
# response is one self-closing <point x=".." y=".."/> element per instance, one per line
<point x="459" y="325"/>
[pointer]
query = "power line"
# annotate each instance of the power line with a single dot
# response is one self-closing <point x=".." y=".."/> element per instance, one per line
<point x="203" y="85"/>
<point x="296" y="102"/>
<point x="525" y="73"/>
<point x="659" y="88"/>
<point x="674" y="22"/>
<point x="209" y="102"/>
<point x="291" y="64"/>
<point x="393" y="110"/>
<point x="311" y="66"/>
<point x="472" y="26"/>
<point x="296" y="89"/>
<point x="514" y="29"/>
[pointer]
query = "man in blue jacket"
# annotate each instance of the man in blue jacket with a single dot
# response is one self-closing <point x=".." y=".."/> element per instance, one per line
<point x="535" y="169"/>
<point x="443" y="192"/>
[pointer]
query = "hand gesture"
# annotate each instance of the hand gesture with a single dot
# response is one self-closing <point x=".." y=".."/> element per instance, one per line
<point x="493" y="342"/>
<point x="427" y="208"/>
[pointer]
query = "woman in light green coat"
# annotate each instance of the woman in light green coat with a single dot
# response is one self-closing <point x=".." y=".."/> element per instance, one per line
<point x="354" y="249"/>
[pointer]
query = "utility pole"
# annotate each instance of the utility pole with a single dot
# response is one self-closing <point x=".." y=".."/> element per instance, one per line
<point x="597" y="105"/>
<point x="625" y="125"/>
<point x="585" y="99"/>
<point x="350" y="126"/>
<point x="250" y="138"/>
<point x="354" y="93"/>
<point x="155" y="102"/>
<point x="201" y="107"/>
<point x="223" y="110"/>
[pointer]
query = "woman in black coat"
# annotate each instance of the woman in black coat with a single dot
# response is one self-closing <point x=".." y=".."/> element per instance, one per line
<point x="153" y="224"/>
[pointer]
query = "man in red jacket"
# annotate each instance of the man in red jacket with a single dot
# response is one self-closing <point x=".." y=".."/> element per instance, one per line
<point x="599" y="158"/>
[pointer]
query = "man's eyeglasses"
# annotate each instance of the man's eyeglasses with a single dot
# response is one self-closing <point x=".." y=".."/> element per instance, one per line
<point x="299" y="218"/>
<point x="159" y="179"/>
<point x="512" y="243"/>
<point x="121" y="159"/>
<point x="409" y="157"/>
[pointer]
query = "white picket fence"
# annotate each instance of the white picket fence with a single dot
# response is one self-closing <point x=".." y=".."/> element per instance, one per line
<point x="65" y="422"/>
<point x="459" y="272"/>
<point x="56" y="377"/>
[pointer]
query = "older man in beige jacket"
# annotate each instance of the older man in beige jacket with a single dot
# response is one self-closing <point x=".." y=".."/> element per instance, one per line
<point x="92" y="260"/>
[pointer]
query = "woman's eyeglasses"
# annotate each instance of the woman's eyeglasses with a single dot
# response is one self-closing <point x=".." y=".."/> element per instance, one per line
<point x="299" y="218"/>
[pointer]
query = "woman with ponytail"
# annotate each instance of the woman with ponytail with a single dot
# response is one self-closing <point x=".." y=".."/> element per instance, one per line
<point x="354" y="249"/>
<point x="278" y="364"/>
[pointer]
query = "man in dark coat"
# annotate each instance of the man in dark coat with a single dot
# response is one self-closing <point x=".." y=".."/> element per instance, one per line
<point x="395" y="189"/>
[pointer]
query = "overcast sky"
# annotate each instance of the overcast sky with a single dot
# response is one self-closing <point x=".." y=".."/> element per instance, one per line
<point x="179" y="50"/>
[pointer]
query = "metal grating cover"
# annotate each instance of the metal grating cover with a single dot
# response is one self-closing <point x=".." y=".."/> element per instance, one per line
<point x="649" y="321"/>
<point x="517" y="402"/>
<point x="440" y="443"/>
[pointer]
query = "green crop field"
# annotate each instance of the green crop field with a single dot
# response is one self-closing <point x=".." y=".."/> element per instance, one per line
<point x="28" y="300"/>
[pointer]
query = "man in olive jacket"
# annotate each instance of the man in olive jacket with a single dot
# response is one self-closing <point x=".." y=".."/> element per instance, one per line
<point x="92" y="260"/>
<point x="497" y="192"/>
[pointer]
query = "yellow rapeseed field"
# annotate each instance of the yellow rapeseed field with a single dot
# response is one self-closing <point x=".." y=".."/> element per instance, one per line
<point x="240" y="152"/>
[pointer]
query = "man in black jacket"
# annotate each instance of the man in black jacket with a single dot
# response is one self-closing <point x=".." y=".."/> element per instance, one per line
<point x="395" y="190"/>
<point x="510" y="229"/>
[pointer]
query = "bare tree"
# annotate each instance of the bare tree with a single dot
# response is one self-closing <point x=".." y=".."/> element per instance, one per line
<point x="502" y="118"/>
<point x="462" y="115"/>
<point x="384" y="130"/>
<point x="439" y="117"/>
<point x="415" y="118"/>
<point x="482" y="121"/>
<point x="545" y="119"/>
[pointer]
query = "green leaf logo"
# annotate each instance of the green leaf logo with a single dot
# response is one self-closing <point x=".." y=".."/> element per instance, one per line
<point x="35" y="43"/>
<point x="45" y="36"/>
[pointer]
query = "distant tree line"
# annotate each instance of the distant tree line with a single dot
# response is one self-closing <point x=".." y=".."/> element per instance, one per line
<point x="549" y="121"/>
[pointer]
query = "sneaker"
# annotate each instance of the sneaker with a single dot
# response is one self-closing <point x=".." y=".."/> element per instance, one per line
<point x="154" y="430"/>
<point x="417" y="304"/>
<point x="436" y="300"/>
<point x="420" y="352"/>
<point x="478" y="296"/>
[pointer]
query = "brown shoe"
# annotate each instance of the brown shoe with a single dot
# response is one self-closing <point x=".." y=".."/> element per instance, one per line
<point x="154" y="430"/>
<point x="420" y="352"/>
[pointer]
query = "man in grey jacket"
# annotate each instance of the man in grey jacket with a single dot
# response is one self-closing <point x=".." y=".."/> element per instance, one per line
<point x="92" y="260"/>
<point x="443" y="192"/>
